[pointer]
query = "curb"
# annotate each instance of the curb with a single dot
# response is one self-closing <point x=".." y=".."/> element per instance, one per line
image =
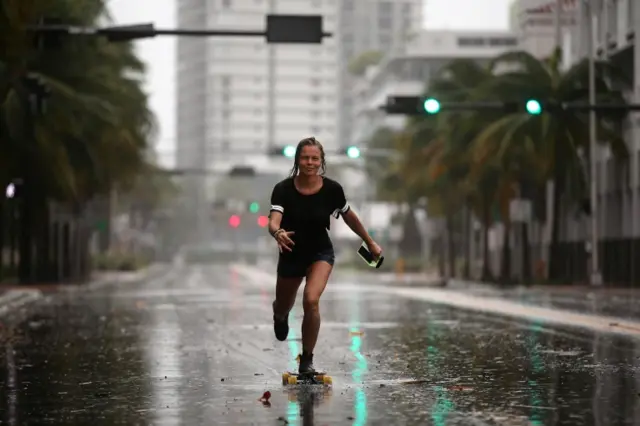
<point x="486" y="304"/>
<point x="116" y="278"/>
<point x="14" y="299"/>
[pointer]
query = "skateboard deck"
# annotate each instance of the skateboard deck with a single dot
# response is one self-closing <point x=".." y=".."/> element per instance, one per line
<point x="318" y="378"/>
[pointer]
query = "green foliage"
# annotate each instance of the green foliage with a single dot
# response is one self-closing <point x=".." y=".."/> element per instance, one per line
<point x="479" y="161"/>
<point x="359" y="64"/>
<point x="95" y="130"/>
<point x="125" y="262"/>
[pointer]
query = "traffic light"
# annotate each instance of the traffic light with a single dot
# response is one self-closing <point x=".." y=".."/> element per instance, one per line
<point x="289" y="151"/>
<point x="242" y="171"/>
<point x="352" y="152"/>
<point x="533" y="107"/>
<point x="431" y="106"/>
<point x="234" y="221"/>
<point x="254" y="207"/>
<point x="263" y="221"/>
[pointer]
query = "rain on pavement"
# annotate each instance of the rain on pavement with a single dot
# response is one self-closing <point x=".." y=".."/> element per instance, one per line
<point x="196" y="346"/>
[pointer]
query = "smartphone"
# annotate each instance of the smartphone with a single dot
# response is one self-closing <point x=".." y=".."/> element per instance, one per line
<point x="366" y="255"/>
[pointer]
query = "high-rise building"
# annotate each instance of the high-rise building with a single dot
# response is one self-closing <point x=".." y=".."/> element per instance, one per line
<point x="382" y="26"/>
<point x="238" y="95"/>
<point x="191" y="75"/>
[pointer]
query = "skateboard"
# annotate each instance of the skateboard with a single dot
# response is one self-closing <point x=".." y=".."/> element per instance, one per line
<point x="317" y="378"/>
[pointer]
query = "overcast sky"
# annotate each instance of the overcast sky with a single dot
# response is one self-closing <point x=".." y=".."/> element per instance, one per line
<point x="159" y="54"/>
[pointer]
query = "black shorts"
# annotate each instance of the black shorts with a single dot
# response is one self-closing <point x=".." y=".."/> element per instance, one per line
<point x="296" y="265"/>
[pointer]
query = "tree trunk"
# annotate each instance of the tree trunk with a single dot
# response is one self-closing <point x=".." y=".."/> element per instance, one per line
<point x="450" y="246"/>
<point x="526" y="254"/>
<point x="442" y="258"/>
<point x="43" y="243"/>
<point x="505" y="265"/>
<point x="26" y="240"/>
<point x="487" y="274"/>
<point x="3" y="225"/>
<point x="555" y="259"/>
<point x="466" y="272"/>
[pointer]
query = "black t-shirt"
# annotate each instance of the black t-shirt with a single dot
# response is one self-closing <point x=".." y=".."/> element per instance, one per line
<point x="309" y="215"/>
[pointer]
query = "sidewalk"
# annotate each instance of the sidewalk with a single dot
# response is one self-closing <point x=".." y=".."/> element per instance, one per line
<point x="13" y="296"/>
<point x="605" y="301"/>
<point x="615" y="302"/>
<point x="601" y="314"/>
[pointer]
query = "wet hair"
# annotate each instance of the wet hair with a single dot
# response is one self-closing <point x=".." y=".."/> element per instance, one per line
<point x="308" y="142"/>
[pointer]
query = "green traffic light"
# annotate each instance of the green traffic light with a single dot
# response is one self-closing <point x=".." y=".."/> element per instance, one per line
<point x="254" y="207"/>
<point x="533" y="107"/>
<point x="431" y="106"/>
<point x="289" y="151"/>
<point x="353" y="152"/>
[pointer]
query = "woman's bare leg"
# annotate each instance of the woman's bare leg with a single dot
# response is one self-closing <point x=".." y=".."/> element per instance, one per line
<point x="286" y="291"/>
<point x="317" y="278"/>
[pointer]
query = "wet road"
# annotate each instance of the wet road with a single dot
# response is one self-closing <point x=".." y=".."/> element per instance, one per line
<point x="196" y="346"/>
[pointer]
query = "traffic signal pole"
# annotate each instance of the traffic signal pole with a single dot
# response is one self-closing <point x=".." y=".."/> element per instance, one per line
<point x="422" y="106"/>
<point x="296" y="29"/>
<point x="595" y="276"/>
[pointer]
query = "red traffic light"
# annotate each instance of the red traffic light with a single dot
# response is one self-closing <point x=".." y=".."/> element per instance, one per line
<point x="263" y="221"/>
<point x="234" y="221"/>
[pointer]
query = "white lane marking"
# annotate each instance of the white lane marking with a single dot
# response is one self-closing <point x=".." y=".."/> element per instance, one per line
<point x="459" y="300"/>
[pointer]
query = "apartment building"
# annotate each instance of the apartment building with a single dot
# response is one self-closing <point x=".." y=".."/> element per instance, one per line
<point x="239" y="95"/>
<point x="408" y="73"/>
<point x="616" y="25"/>
<point x="364" y="26"/>
<point x="534" y="22"/>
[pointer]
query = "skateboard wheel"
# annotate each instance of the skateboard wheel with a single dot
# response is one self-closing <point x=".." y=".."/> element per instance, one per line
<point x="285" y="378"/>
<point x="292" y="380"/>
<point x="320" y="377"/>
<point x="327" y="380"/>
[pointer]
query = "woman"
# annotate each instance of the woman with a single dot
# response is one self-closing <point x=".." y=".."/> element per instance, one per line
<point x="301" y="206"/>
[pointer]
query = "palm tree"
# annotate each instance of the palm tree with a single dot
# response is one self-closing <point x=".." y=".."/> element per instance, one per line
<point x="552" y="145"/>
<point x="457" y="187"/>
<point x="95" y="131"/>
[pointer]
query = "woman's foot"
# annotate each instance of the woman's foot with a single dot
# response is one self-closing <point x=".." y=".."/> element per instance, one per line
<point x="306" y="364"/>
<point x="280" y="327"/>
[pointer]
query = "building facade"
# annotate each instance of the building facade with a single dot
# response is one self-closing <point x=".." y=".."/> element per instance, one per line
<point x="240" y="95"/>
<point x="408" y="73"/>
<point x="384" y="26"/>
<point x="534" y="21"/>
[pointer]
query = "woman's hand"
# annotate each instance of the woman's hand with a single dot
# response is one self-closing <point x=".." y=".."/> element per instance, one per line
<point x="375" y="249"/>
<point x="283" y="238"/>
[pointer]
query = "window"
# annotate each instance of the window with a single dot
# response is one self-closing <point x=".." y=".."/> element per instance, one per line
<point x="315" y="98"/>
<point x="385" y="8"/>
<point x="385" y="22"/>
<point x="470" y="41"/>
<point x="315" y="82"/>
<point x="315" y="130"/>
<point x="226" y="4"/>
<point x="503" y="41"/>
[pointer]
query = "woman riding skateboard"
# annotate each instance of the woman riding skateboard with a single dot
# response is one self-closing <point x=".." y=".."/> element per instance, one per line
<point x="301" y="206"/>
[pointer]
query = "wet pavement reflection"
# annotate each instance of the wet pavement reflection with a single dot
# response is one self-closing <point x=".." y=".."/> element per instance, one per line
<point x="196" y="346"/>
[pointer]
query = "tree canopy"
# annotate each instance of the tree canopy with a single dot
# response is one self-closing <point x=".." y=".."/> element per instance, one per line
<point x="476" y="162"/>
